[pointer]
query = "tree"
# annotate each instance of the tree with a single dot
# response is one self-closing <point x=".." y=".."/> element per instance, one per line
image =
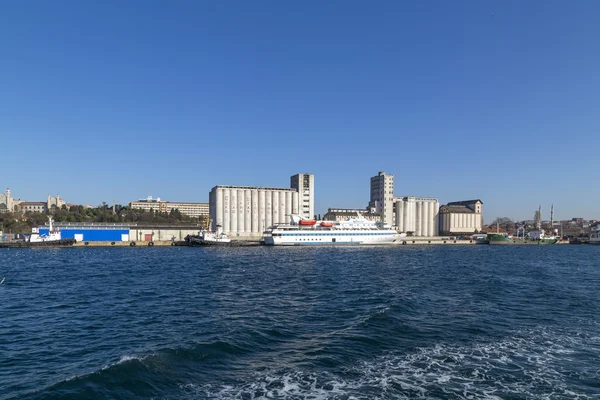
<point x="504" y="223"/>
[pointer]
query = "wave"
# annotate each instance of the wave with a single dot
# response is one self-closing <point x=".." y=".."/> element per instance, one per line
<point x="146" y="375"/>
<point x="546" y="362"/>
<point x="531" y="364"/>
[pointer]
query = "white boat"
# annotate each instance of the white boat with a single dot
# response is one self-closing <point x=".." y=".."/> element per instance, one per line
<point x="52" y="235"/>
<point x="354" y="231"/>
<point x="205" y="237"/>
<point x="52" y="239"/>
<point x="594" y="235"/>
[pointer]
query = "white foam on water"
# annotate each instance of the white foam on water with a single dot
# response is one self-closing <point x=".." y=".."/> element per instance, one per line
<point x="530" y="364"/>
<point x="125" y="359"/>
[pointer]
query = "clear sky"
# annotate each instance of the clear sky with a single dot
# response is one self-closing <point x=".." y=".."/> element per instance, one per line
<point x="118" y="100"/>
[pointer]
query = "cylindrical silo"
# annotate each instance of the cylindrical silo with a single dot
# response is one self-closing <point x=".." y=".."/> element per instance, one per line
<point x="431" y="220"/>
<point x="295" y="204"/>
<point x="275" y="202"/>
<point x="425" y="222"/>
<point x="423" y="218"/>
<point x="234" y="212"/>
<point x="226" y="210"/>
<point x="419" y="209"/>
<point x="288" y="206"/>
<point x="268" y="208"/>
<point x="282" y="219"/>
<point x="413" y="217"/>
<point x="219" y="208"/>
<point x="400" y="215"/>
<point x="262" y="211"/>
<point x="247" y="210"/>
<point x="436" y="219"/>
<point x="254" y="206"/>
<point x="240" y="210"/>
<point x="407" y="216"/>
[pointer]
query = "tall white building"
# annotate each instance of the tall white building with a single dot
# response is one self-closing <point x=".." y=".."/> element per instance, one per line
<point x="382" y="196"/>
<point x="305" y="185"/>
<point x="418" y="216"/>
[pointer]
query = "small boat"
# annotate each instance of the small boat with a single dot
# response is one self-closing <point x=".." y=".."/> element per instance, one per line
<point x="209" y="238"/>
<point x="308" y="222"/>
<point x="52" y="239"/>
<point x="326" y="224"/>
<point x="214" y="238"/>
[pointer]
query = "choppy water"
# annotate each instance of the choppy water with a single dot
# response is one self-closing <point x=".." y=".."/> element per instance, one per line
<point x="442" y="322"/>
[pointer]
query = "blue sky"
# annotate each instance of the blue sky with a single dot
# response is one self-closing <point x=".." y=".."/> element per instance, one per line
<point x="498" y="100"/>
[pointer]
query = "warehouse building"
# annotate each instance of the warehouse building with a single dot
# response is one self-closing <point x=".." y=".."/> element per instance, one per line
<point x="91" y="232"/>
<point x="461" y="217"/>
<point x="123" y="232"/>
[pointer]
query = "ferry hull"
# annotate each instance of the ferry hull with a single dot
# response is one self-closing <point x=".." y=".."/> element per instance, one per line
<point x="331" y="240"/>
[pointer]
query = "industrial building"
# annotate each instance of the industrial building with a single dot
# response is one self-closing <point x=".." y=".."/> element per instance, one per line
<point x="91" y="232"/>
<point x="461" y="217"/>
<point x="305" y="186"/>
<point x="194" y="210"/>
<point x="417" y="216"/>
<point x="382" y="196"/>
<point x="247" y="211"/>
<point x="123" y="232"/>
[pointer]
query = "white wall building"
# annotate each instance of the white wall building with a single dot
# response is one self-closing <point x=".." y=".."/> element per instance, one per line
<point x="194" y="210"/>
<point x="382" y="196"/>
<point x="248" y="211"/>
<point x="461" y="217"/>
<point x="305" y="185"/>
<point x="417" y="216"/>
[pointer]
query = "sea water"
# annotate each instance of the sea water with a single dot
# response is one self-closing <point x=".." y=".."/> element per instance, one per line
<point x="435" y="322"/>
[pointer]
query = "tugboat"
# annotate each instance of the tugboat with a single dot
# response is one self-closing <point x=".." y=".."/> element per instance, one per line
<point x="52" y="239"/>
<point x="207" y="238"/>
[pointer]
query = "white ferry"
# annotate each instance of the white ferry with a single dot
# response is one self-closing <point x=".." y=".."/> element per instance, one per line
<point x="354" y="231"/>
